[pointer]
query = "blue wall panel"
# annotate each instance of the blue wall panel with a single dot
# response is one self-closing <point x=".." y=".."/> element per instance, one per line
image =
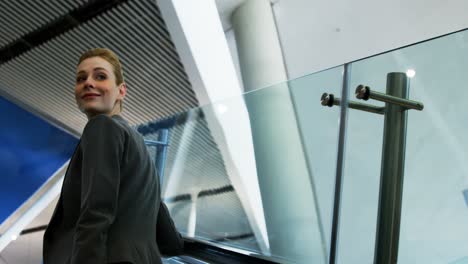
<point x="31" y="150"/>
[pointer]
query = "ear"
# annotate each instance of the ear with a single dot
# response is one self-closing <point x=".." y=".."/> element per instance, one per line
<point x="122" y="91"/>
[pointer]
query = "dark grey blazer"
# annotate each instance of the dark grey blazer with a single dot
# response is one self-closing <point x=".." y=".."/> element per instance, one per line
<point x="110" y="208"/>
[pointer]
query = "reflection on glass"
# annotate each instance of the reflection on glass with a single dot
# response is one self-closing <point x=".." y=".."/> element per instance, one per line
<point x="257" y="172"/>
<point x="434" y="214"/>
<point x="410" y="73"/>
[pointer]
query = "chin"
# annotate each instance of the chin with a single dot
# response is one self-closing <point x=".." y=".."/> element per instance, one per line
<point x="92" y="111"/>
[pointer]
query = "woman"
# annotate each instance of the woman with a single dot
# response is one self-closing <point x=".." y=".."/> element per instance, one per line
<point x="109" y="209"/>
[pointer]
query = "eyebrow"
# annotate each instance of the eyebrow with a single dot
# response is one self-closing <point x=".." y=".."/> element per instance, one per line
<point x="95" y="69"/>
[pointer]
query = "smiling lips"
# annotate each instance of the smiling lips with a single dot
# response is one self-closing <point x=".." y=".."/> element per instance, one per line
<point x="89" y="96"/>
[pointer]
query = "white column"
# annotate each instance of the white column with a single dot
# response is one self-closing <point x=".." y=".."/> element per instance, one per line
<point x="258" y="46"/>
<point x="285" y="183"/>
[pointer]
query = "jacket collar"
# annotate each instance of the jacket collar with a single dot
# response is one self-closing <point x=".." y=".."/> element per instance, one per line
<point x="119" y="119"/>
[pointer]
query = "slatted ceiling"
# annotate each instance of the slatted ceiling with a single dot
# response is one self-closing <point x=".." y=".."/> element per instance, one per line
<point x="36" y="69"/>
<point x="36" y="78"/>
<point x="156" y="23"/>
<point x="160" y="27"/>
<point x="157" y="60"/>
<point x="170" y="80"/>
<point x="21" y="17"/>
<point x="203" y="166"/>
<point x="43" y="78"/>
<point x="160" y="62"/>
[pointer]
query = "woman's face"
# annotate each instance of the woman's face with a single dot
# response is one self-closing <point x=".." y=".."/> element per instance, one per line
<point x="96" y="91"/>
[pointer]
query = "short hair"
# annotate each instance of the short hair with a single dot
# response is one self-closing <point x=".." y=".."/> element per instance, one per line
<point x="110" y="57"/>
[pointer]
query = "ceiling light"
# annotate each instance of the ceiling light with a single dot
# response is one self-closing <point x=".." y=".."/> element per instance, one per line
<point x="410" y="73"/>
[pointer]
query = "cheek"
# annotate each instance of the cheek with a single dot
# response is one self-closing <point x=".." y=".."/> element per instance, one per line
<point x="110" y="92"/>
<point x="77" y="91"/>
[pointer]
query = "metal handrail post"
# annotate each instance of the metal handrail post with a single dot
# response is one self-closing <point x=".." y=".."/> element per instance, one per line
<point x="393" y="158"/>
<point x="392" y="172"/>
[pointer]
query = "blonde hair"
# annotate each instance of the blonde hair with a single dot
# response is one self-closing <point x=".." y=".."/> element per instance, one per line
<point x="110" y="57"/>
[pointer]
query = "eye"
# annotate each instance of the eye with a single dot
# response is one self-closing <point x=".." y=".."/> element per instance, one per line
<point x="80" y="79"/>
<point x="101" y="77"/>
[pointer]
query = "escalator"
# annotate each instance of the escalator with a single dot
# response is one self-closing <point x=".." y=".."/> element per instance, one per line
<point x="196" y="252"/>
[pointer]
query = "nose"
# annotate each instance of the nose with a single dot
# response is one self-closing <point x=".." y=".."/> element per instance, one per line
<point x="89" y="83"/>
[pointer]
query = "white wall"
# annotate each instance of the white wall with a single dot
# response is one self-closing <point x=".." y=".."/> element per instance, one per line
<point x="318" y="34"/>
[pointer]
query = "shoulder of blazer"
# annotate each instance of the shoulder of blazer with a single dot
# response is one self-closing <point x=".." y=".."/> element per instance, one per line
<point x="105" y="122"/>
<point x="103" y="126"/>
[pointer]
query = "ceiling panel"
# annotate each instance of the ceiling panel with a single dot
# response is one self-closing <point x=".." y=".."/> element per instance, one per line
<point x="19" y="18"/>
<point x="43" y="77"/>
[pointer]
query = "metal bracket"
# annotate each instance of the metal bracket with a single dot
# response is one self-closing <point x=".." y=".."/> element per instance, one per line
<point x="330" y="100"/>
<point x="154" y="143"/>
<point x="393" y="157"/>
<point x="365" y="93"/>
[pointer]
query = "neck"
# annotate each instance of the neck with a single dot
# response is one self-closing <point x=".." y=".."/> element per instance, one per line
<point x="115" y="111"/>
